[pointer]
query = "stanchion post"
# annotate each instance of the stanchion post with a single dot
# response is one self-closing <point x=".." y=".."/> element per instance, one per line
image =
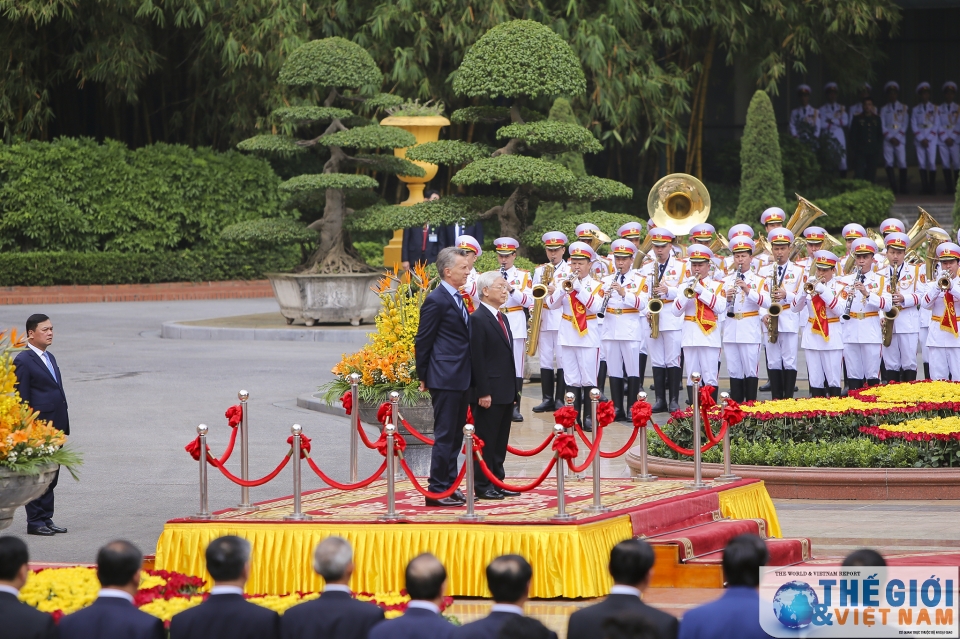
<point x="395" y="415"/>
<point x="569" y="399"/>
<point x="245" y="504"/>
<point x="297" y="514"/>
<point x="597" y="506"/>
<point x="391" y="515"/>
<point x="204" y="495"/>
<point x="698" y="483"/>
<point x="727" y="471"/>
<point x="644" y="474"/>
<point x="354" y="426"/>
<point x="470" y="516"/>
<point x="562" y="514"/>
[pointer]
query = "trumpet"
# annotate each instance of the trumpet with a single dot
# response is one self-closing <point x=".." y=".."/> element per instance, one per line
<point x="567" y="284"/>
<point x="606" y="297"/>
<point x="944" y="282"/>
<point x="810" y="286"/>
<point x="689" y="291"/>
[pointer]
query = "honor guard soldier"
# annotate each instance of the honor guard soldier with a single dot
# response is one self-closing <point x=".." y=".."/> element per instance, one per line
<point x="865" y="295"/>
<point x="926" y="138"/>
<point x="700" y="305"/>
<point x="823" y="341"/>
<point x="548" y="347"/>
<point x="908" y="283"/>
<point x="804" y="120"/>
<point x="857" y="107"/>
<point x="621" y="325"/>
<point x="661" y="281"/>
<point x="736" y="230"/>
<point x="632" y="231"/>
<point x="741" y="328"/>
<point x="518" y="300"/>
<point x="579" y="333"/>
<point x="895" y="120"/>
<point x="941" y="298"/>
<point x="851" y="233"/>
<point x="469" y="292"/>
<point x="781" y="283"/>
<point x="948" y="126"/>
<point x="833" y="121"/>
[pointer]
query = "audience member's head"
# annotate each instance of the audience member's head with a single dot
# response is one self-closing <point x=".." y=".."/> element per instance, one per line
<point x="627" y="625"/>
<point x="425" y="578"/>
<point x="520" y="627"/>
<point x="333" y="560"/>
<point x="14" y="558"/>
<point x="228" y="560"/>
<point x="864" y="557"/>
<point x="630" y="563"/>
<point x="742" y="559"/>
<point x="508" y="578"/>
<point x="118" y="566"/>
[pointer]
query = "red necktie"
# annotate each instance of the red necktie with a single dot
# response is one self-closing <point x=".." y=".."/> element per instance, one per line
<point x="426" y="232"/>
<point x="503" y="326"/>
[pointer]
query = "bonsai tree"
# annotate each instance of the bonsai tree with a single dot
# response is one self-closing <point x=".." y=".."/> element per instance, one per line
<point x="761" y="174"/>
<point x="328" y="79"/>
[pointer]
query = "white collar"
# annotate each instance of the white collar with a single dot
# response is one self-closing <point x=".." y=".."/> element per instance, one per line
<point x="36" y="350"/>
<point x="502" y="607"/>
<point x="226" y="590"/>
<point x="625" y="590"/>
<point x="493" y="310"/>
<point x="337" y="588"/>
<point x="113" y="593"/>
<point x="11" y="590"/>
<point x="424" y="605"/>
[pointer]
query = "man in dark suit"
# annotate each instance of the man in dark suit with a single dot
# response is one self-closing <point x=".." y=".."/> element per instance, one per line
<point x="113" y="614"/>
<point x="494" y="391"/>
<point x="426" y="582"/>
<point x="508" y="578"/>
<point x="336" y="614"/>
<point x="226" y="614"/>
<point x="442" y="345"/>
<point x="424" y="243"/>
<point x="41" y="387"/>
<point x="631" y="562"/>
<point x="20" y="620"/>
<point x="453" y="231"/>
<point x="735" y="615"/>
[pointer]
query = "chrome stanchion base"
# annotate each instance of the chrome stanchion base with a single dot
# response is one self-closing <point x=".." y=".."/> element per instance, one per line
<point x="391" y="519"/>
<point x="248" y="507"/>
<point x="595" y="510"/>
<point x="697" y="486"/>
<point x="730" y="477"/>
<point x="202" y="517"/>
<point x="466" y="519"/>
<point x="647" y="477"/>
<point x="564" y="517"/>
<point x="297" y="517"/>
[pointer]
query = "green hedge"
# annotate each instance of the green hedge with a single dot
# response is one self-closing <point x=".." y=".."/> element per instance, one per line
<point x="859" y="201"/>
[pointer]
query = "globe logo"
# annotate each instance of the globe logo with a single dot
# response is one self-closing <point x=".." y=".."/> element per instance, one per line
<point x="793" y="604"/>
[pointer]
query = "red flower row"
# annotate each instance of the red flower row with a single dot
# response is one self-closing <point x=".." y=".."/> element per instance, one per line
<point x="883" y="434"/>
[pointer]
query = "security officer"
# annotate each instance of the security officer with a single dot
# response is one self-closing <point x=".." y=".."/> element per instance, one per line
<point x="895" y="120"/>
<point x="909" y="283"/>
<point x="926" y="138"/>
<point x="804" y="120"/>
<point x="548" y="348"/>
<point x="948" y="125"/>
<point x="823" y="342"/>
<point x="469" y="292"/>
<point x="621" y="325"/>
<point x="741" y="328"/>
<point x="833" y="121"/>
<point x="857" y="107"/>
<point x="520" y="298"/>
<point x="781" y="283"/>
<point x="943" y="338"/>
<point x="865" y="295"/>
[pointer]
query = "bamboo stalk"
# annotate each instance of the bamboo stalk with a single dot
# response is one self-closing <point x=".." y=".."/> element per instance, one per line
<point x="705" y="76"/>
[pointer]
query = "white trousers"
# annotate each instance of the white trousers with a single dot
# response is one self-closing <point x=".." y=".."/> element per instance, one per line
<point x="783" y="354"/>
<point x="890" y="151"/>
<point x="742" y="360"/>
<point x="924" y="349"/>
<point x="580" y="366"/>
<point x="622" y="354"/>
<point x="862" y="360"/>
<point x="549" y="350"/>
<point x="703" y="360"/>
<point x="519" y="348"/>
<point x="901" y="355"/>
<point x="824" y="367"/>
<point x="664" y="352"/>
<point x="926" y="157"/>
<point x="950" y="156"/>
<point x="944" y="363"/>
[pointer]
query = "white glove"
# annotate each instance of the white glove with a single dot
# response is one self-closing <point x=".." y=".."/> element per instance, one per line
<point x="698" y="289"/>
<point x="820" y="289"/>
<point x="577" y="286"/>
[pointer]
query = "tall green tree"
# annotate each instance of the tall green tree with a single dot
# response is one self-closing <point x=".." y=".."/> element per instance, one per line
<point x="761" y="174"/>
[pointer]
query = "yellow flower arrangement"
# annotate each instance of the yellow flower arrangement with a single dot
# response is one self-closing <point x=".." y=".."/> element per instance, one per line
<point x="933" y="426"/>
<point x="166" y="608"/>
<point x="65" y="589"/>
<point x="928" y="391"/>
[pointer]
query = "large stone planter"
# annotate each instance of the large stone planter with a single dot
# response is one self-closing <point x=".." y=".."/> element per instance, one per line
<point x="16" y="490"/>
<point x="420" y="416"/>
<point x="326" y="299"/>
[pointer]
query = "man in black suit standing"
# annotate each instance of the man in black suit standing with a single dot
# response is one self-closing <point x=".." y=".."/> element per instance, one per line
<point x="336" y="614"/>
<point x="494" y="391"/>
<point x="113" y="614"/>
<point x="226" y="614"/>
<point x="41" y="387"/>
<point x="631" y="562"/>
<point x="508" y="578"/>
<point x="424" y="243"/>
<point x="20" y="620"/>
<point x="442" y="346"/>
<point x="426" y="582"/>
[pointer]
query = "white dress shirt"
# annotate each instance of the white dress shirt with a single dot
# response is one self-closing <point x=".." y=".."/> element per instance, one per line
<point x="113" y="593"/>
<point x="625" y="590"/>
<point x="226" y="590"/>
<point x="425" y="605"/>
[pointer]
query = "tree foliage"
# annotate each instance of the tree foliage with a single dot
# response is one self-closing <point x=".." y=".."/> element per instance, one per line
<point x="761" y="178"/>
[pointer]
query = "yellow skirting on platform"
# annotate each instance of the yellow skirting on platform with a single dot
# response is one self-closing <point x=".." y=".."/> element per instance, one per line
<point x="751" y="502"/>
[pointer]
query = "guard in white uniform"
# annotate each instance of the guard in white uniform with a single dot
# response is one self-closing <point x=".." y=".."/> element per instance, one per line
<point x="857" y="107"/>
<point x="520" y="297"/>
<point x="548" y="349"/>
<point x="703" y="234"/>
<point x="599" y="269"/>
<point x="864" y="297"/>
<point x="736" y="230"/>
<point x="804" y="120"/>
<point x="926" y="137"/>
<point x="833" y="121"/>
<point x="908" y="284"/>
<point x="781" y="283"/>
<point x="948" y="126"/>
<point x="741" y="327"/>
<point x="700" y="305"/>
<point x="943" y="338"/>
<point x="894" y="122"/>
<point x="469" y="292"/>
<point x="633" y="231"/>
<point x="823" y="342"/>
<point x="621" y="326"/>
<point x="851" y="234"/>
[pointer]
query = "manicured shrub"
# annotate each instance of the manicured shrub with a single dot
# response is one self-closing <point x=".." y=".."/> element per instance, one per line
<point x="761" y="174"/>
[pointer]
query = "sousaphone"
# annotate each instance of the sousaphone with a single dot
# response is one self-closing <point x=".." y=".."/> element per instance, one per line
<point x="678" y="202"/>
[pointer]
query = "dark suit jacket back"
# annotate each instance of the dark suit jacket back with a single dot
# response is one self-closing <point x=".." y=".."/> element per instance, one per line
<point x="39" y="390"/>
<point x="442" y="343"/>
<point x="487" y="628"/>
<point x="226" y="617"/>
<point x="413" y="251"/>
<point x="335" y="615"/>
<point x="417" y="623"/>
<point x="110" y="618"/>
<point x="22" y="621"/>
<point x="735" y="615"/>
<point x="491" y="354"/>
<point x="474" y="230"/>
<point x="586" y="623"/>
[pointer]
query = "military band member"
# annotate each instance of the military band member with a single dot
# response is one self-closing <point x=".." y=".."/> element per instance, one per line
<point x="861" y="332"/>
<point x="804" y="120"/>
<point x="895" y="120"/>
<point x="741" y="327"/>
<point x="948" y="126"/>
<point x="888" y="226"/>
<point x="633" y="231"/>
<point x="701" y="334"/>
<point x="926" y="138"/>
<point x="548" y="348"/>
<point x="943" y="339"/>
<point x="703" y="234"/>
<point x="781" y="283"/>
<point x="518" y="299"/>
<point x="823" y="341"/>
<point x="833" y="121"/>
<point x="589" y="233"/>
<point x="469" y="292"/>
<point x="621" y="326"/>
<point x="737" y="230"/>
<point x="579" y="334"/>
<point x="851" y="234"/>
<point x="926" y="313"/>
<point x="909" y="283"/>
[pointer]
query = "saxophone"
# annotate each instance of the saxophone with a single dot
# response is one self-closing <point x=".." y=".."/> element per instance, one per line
<point x="539" y="294"/>
<point x="773" y="313"/>
<point x="654" y="306"/>
<point x="886" y="324"/>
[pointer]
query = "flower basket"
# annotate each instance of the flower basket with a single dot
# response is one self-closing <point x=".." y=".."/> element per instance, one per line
<point x="19" y="488"/>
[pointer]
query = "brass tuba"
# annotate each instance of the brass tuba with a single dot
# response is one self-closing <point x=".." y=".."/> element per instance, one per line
<point x="678" y="202"/>
<point x="804" y="215"/>
<point x="645" y="247"/>
<point x="539" y="294"/>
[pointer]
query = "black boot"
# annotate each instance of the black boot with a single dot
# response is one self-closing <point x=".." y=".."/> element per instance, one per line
<point x="776" y="383"/>
<point x="815" y="391"/>
<point x="926" y="370"/>
<point x="689" y="395"/>
<point x="517" y="417"/>
<point x="715" y="394"/>
<point x="854" y="384"/>
<point x="602" y="379"/>
<point x="892" y="179"/>
<point x="546" y="391"/>
<point x="948" y="180"/>
<point x="789" y="383"/>
<point x="932" y="181"/>
<point x="736" y="389"/>
<point x="674" y="379"/>
<point x="616" y="394"/>
<point x="558" y="399"/>
<point x="833" y="391"/>
<point x="633" y="389"/>
<point x="660" y="388"/>
<point x="883" y="371"/>
<point x="908" y="375"/>
<point x="873" y="381"/>
<point x="924" y="182"/>
<point x="894" y="376"/>
<point x="577" y="400"/>
<point x="585" y="420"/>
<point x="903" y="181"/>
<point x="643" y="373"/>
<point x="750" y="389"/>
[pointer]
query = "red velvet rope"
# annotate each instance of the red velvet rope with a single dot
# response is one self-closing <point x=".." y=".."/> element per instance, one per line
<point x="426" y="493"/>
<point x="534" y="451"/>
<point x="519" y="489"/>
<point x="594" y="449"/>
<point x="565" y="446"/>
<point x="234" y="415"/>
<point x="194" y="448"/>
<point x="253" y="482"/>
<point x="688" y="451"/>
<point x="335" y="484"/>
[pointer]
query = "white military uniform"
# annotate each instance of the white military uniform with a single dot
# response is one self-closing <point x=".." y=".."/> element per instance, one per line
<point x="580" y="354"/>
<point x="469" y="292"/>
<point x="519" y="299"/>
<point x="701" y="340"/>
<point x="664" y="352"/>
<point x="948" y="126"/>
<point x="621" y="329"/>
<point x="824" y="354"/>
<point x="924" y="122"/>
<point x="943" y="342"/>
<point x="894" y="121"/>
<point x="861" y="333"/>
<point x="901" y="355"/>
<point x="801" y="117"/>
<point x="742" y="332"/>
<point x="833" y="120"/>
<point x="548" y="347"/>
<point x="782" y="354"/>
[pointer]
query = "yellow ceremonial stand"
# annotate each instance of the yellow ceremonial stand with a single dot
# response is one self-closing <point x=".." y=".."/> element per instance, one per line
<point x="425" y="128"/>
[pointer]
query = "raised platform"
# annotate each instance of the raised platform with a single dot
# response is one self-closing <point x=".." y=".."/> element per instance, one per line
<point x="569" y="558"/>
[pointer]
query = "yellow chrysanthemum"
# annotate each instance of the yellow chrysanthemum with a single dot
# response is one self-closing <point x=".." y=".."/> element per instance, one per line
<point x="932" y="426"/>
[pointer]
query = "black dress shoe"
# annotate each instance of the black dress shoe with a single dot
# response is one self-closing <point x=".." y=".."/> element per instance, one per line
<point x="42" y="531"/>
<point x="446" y="502"/>
<point x="490" y="493"/>
<point x="508" y="493"/>
<point x="56" y="529"/>
<point x="459" y="496"/>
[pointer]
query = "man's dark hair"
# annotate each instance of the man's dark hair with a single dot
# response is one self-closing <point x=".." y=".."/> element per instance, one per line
<point x="742" y="559"/>
<point x="13" y="555"/>
<point x="508" y="578"/>
<point x="630" y="562"/>
<point x="866" y="99"/>
<point x="628" y="625"/>
<point x="226" y="557"/>
<point x="35" y="320"/>
<point x="424" y="577"/>
<point x="118" y="563"/>
<point x="520" y="627"/>
<point x="864" y="557"/>
<point x="430" y="193"/>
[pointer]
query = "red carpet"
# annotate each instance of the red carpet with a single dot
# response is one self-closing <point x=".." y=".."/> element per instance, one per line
<point x="901" y="559"/>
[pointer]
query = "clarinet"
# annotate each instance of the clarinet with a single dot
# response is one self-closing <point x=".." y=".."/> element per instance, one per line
<point x="732" y="295"/>
<point x="606" y="297"/>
